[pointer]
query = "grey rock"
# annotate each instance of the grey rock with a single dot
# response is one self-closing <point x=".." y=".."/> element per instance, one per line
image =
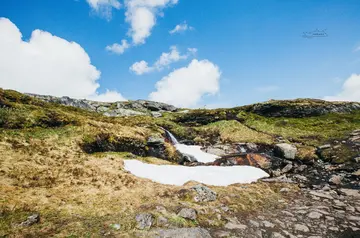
<point x="336" y="179"/>
<point x="284" y="190"/>
<point x="276" y="235"/>
<point x="156" y="114"/>
<point x="267" y="224"/>
<point x="301" y="227"/>
<point x="357" y="159"/>
<point x="188" y="213"/>
<point x="286" y="151"/>
<point x="31" y="220"/>
<point x="287" y="168"/>
<point x="144" y="221"/>
<point x="203" y="193"/>
<point x="252" y="146"/>
<point x="315" y="215"/>
<point x="152" y="140"/>
<point x="235" y="226"/>
<point x="321" y="195"/>
<point x="350" y="192"/>
<point x="195" y="232"/>
<point x="123" y="108"/>
<point x="353" y="218"/>
<point x="254" y="223"/>
<point x="301" y="168"/>
<point x="161" y="221"/>
<point x="324" y="147"/>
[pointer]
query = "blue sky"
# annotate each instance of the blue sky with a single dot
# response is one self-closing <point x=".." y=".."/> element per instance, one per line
<point x="258" y="46"/>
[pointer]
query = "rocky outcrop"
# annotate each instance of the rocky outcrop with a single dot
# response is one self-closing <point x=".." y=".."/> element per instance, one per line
<point x="301" y="108"/>
<point x="115" y="109"/>
<point x="257" y="160"/>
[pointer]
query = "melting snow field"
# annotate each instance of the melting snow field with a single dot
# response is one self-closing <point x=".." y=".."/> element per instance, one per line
<point x="196" y="151"/>
<point x="210" y="175"/>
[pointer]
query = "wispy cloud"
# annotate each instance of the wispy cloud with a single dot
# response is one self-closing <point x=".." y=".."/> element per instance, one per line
<point x="118" y="48"/>
<point x="181" y="28"/>
<point x="165" y="59"/>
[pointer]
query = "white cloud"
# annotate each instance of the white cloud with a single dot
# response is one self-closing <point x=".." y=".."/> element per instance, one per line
<point x="108" y="96"/>
<point x="181" y="28"/>
<point x="141" y="67"/>
<point x="118" y="48"/>
<point x="184" y="87"/>
<point x="350" y="90"/>
<point x="46" y="64"/>
<point x="104" y="7"/>
<point x="267" y="89"/>
<point x="170" y="57"/>
<point x="141" y="15"/>
<point x="164" y="60"/>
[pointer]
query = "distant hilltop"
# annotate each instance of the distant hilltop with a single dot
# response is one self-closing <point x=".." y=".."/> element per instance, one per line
<point x="303" y="107"/>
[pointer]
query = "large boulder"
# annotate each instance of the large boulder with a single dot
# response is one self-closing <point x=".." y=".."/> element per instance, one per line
<point x="286" y="151"/>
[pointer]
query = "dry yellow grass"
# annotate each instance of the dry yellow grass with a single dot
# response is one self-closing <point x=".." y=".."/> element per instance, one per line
<point x="79" y="195"/>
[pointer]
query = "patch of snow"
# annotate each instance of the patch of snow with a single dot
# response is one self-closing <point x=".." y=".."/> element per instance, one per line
<point x="196" y="151"/>
<point x="210" y="175"/>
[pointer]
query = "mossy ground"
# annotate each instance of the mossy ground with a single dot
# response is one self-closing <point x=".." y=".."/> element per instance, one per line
<point x="45" y="169"/>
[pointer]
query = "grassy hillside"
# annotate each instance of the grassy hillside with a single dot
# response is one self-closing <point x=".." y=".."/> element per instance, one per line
<point x="46" y="168"/>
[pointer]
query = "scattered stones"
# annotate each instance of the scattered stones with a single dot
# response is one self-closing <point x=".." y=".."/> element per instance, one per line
<point x="203" y="193"/>
<point x="144" y="221"/>
<point x="254" y="223"/>
<point x="195" y="232"/>
<point x="301" y="227"/>
<point x="315" y="215"/>
<point x="188" y="213"/>
<point x="286" y="151"/>
<point x="31" y="220"/>
<point x="321" y="195"/>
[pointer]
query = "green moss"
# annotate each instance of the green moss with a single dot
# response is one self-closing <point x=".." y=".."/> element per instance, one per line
<point x="311" y="131"/>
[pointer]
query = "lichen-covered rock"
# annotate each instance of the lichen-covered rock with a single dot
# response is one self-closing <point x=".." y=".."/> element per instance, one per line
<point x="31" y="220"/>
<point x="286" y="151"/>
<point x="188" y="213"/>
<point x="203" y="194"/>
<point x="144" y="221"/>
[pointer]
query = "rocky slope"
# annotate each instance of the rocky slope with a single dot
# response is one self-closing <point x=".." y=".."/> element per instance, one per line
<point x="62" y="169"/>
